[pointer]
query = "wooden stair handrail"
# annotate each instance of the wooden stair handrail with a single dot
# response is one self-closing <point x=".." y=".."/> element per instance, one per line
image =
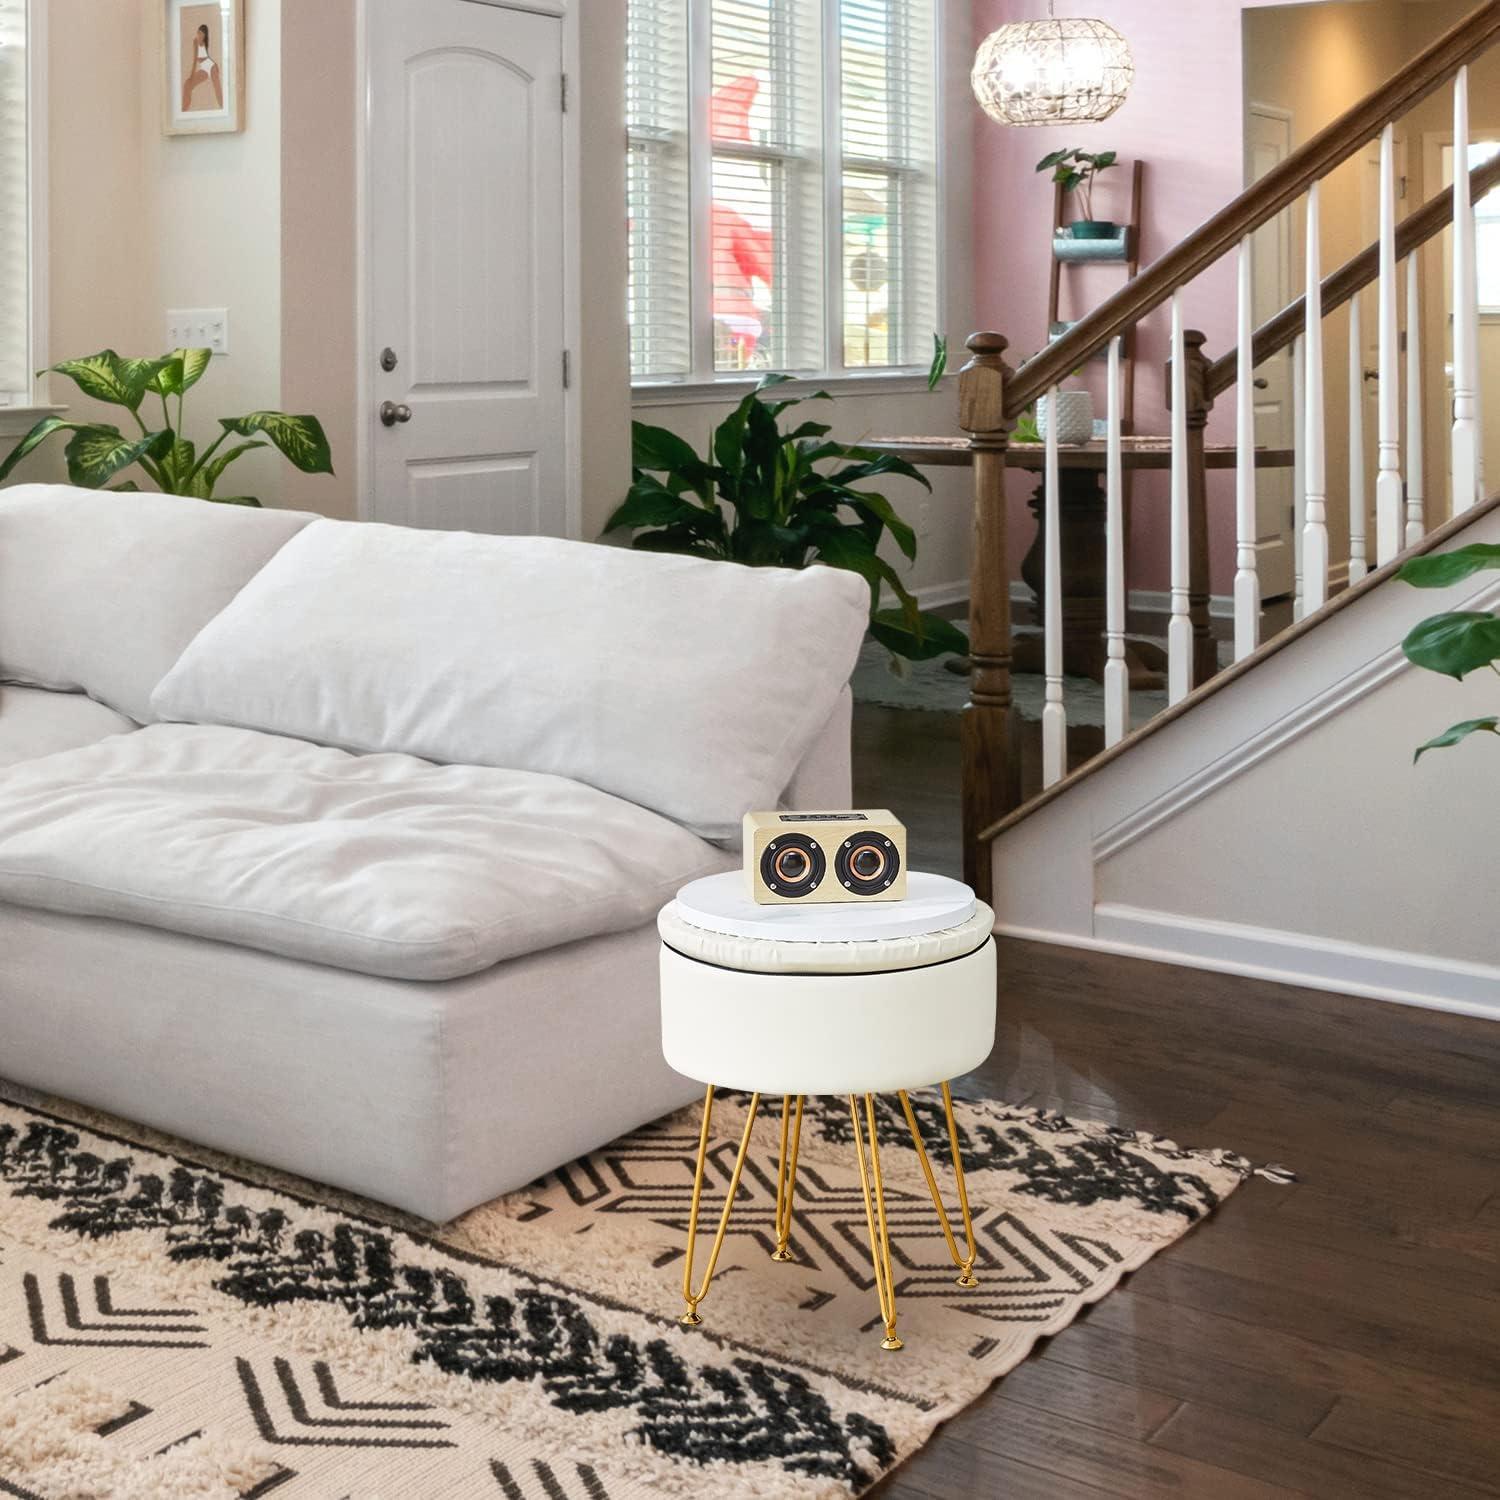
<point x="1261" y="201"/>
<point x="1353" y="276"/>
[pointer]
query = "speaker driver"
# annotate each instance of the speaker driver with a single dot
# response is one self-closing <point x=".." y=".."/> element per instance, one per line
<point x="867" y="864"/>
<point x="793" y="865"/>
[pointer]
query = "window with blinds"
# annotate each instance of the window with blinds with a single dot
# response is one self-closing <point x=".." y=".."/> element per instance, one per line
<point x="788" y="220"/>
<point x="15" y="215"/>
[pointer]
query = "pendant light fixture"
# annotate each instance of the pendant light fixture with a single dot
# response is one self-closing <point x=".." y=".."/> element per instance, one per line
<point x="1053" y="71"/>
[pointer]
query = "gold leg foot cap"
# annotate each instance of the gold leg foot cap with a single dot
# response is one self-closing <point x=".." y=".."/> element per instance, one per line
<point x="781" y="1253"/>
<point x="890" y="1341"/>
<point x="968" y="1279"/>
<point x="690" y="1319"/>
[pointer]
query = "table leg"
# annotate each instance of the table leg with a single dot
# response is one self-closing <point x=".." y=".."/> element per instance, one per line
<point x="964" y="1262"/>
<point x="880" y="1237"/>
<point x="786" y="1176"/>
<point x="690" y="1318"/>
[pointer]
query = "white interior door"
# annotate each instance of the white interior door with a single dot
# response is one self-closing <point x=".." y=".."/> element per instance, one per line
<point x="1269" y="142"/>
<point x="465" y="287"/>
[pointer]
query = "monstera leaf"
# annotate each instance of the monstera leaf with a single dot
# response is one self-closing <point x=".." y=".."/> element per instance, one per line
<point x="301" y="439"/>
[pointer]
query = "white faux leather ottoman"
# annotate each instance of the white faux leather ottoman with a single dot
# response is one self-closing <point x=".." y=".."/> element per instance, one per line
<point x="832" y="999"/>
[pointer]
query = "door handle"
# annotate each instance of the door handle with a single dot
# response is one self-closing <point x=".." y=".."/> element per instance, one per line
<point x="1260" y="383"/>
<point x="391" y="413"/>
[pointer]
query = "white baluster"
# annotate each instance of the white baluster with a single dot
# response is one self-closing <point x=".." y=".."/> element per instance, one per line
<point x="1416" y="521"/>
<point x="1388" y="502"/>
<point x="1246" y="579"/>
<point x="1358" y="558"/>
<point x="1465" y="312"/>
<point x="1116" y="673"/>
<point x="1299" y="469"/>
<point x="1179" y="626"/>
<point x="1054" y="714"/>
<point x="1315" y="523"/>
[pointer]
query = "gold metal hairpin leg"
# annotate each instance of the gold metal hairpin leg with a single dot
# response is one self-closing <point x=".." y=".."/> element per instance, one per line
<point x="880" y="1239"/>
<point x="690" y="1318"/>
<point x="965" y="1262"/>
<point x="786" y="1175"/>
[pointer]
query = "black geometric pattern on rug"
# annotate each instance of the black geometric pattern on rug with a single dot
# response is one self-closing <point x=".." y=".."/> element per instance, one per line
<point x="1026" y="1273"/>
<point x="548" y="1485"/>
<point x="1103" y="1164"/>
<point x="315" y="1431"/>
<point x="52" y="1309"/>
<point x="741" y="1410"/>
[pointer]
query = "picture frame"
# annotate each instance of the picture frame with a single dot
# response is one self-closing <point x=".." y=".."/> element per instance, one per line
<point x="202" y="66"/>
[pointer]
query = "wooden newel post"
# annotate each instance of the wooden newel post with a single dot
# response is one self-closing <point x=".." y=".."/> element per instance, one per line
<point x="1199" y="404"/>
<point x="991" y="779"/>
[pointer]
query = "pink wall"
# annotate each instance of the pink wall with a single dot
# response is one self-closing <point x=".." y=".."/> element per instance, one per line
<point x="1184" y="118"/>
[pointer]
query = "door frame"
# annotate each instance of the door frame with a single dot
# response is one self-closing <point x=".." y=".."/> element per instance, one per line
<point x="567" y="11"/>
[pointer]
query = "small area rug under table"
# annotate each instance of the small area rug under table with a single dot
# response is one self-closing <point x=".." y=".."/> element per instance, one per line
<point x="170" y="1328"/>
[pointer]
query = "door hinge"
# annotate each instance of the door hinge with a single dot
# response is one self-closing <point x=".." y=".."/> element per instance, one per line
<point x="1401" y="187"/>
<point x="567" y="368"/>
<point x="562" y="93"/>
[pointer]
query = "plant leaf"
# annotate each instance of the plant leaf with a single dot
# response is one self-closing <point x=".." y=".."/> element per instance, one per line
<point x="1443" y="568"/>
<point x="932" y="636"/>
<point x="249" y="500"/>
<point x="882" y="509"/>
<point x="177" y="463"/>
<point x="300" y="438"/>
<point x="651" y="503"/>
<point x="1454" y="643"/>
<point x="939" y="366"/>
<point x="96" y="454"/>
<point x="659" y="449"/>
<point x="36" y="437"/>
<point x="208" y="476"/>
<point x="108" y="378"/>
<point x="182" y="371"/>
<point x="1457" y="732"/>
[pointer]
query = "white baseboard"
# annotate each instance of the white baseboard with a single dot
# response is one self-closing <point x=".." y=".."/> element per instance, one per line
<point x="1145" y="601"/>
<point x="940" y="595"/>
<point x="1286" y="957"/>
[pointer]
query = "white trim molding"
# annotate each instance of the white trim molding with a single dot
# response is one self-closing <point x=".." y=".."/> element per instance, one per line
<point x="1299" y="958"/>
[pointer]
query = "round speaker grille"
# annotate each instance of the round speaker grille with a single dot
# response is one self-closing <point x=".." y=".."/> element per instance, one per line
<point x="792" y="865"/>
<point x="867" y="864"/>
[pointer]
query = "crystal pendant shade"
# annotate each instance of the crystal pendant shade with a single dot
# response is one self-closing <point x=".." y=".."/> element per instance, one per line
<point x="1052" y="71"/>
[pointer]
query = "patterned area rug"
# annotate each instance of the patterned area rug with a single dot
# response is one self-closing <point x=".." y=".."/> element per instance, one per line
<point x="174" y="1329"/>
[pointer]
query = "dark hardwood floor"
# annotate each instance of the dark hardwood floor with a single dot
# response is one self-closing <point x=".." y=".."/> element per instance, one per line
<point x="1336" y="1338"/>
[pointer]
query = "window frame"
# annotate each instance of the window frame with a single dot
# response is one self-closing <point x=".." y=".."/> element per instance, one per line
<point x="702" y="384"/>
<point x="18" y="417"/>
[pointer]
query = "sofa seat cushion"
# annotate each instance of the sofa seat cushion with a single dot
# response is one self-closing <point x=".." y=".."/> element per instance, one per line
<point x="34" y="722"/>
<point x="384" y="864"/>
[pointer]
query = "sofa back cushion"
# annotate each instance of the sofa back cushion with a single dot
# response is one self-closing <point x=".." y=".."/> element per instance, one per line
<point x="100" y="592"/>
<point x="689" y="687"/>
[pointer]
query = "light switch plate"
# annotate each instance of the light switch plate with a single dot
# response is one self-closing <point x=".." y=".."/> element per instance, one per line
<point x="198" y="328"/>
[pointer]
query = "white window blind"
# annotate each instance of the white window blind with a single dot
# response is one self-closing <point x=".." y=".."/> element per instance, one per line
<point x="15" y="217"/>
<point x="787" y="220"/>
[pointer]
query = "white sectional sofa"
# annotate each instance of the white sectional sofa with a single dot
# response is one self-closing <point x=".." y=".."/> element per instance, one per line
<point x="339" y="846"/>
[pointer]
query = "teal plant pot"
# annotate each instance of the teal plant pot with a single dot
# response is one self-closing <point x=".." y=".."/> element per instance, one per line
<point x="1093" y="229"/>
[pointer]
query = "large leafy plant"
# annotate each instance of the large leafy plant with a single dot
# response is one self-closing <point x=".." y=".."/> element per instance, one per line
<point x="98" y="452"/>
<point x="1459" y="642"/>
<point x="783" y="498"/>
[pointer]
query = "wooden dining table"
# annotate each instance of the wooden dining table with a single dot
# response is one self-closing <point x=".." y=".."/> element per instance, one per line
<point x="1081" y="511"/>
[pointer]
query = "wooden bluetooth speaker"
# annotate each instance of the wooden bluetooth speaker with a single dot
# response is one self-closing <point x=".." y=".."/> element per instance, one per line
<point x="811" y="857"/>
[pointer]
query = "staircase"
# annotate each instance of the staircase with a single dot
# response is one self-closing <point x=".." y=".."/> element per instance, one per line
<point x="1071" y="863"/>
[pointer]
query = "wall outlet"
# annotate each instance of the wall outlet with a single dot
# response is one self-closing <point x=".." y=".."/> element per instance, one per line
<point x="198" y="328"/>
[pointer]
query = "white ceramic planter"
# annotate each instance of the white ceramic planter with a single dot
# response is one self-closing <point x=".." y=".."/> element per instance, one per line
<point x="1075" y="417"/>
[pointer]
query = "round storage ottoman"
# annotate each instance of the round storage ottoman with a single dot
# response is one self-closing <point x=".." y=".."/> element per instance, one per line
<point x="856" y="1000"/>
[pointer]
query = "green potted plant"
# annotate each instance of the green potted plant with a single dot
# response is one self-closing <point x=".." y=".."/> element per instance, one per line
<point x="1458" y="642"/>
<point x="776" y="498"/>
<point x="1076" y="170"/>
<point x="98" y="452"/>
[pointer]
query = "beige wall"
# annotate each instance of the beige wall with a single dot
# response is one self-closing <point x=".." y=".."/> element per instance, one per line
<point x="141" y="222"/>
<point x="317" y="260"/>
